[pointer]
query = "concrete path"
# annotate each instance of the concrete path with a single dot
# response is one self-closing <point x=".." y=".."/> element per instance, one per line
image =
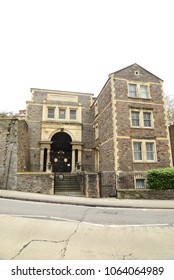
<point x="93" y="202"/>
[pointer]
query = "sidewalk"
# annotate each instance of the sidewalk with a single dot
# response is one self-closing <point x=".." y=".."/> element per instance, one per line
<point x="84" y="201"/>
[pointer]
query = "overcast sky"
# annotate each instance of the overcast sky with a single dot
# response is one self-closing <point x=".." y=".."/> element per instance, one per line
<point x="73" y="45"/>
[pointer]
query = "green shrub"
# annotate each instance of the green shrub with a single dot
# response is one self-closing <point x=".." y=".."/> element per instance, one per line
<point x="160" y="178"/>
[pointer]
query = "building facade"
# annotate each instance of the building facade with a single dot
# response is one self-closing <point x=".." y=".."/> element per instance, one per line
<point x="110" y="141"/>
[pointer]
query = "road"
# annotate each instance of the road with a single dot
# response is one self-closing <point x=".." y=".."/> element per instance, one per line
<point x="30" y="230"/>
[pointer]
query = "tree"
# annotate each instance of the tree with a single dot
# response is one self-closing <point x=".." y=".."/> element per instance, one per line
<point x="170" y="109"/>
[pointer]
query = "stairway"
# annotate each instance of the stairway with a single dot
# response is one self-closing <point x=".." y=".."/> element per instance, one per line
<point x="67" y="184"/>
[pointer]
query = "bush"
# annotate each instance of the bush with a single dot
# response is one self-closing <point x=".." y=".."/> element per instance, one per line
<point x="160" y="178"/>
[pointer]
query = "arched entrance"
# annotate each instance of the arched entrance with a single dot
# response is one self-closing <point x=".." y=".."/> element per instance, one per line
<point x="61" y="152"/>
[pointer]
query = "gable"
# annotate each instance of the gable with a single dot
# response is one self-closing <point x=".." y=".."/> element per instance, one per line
<point x="135" y="72"/>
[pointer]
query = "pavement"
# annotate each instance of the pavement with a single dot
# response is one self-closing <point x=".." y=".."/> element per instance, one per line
<point x="85" y="201"/>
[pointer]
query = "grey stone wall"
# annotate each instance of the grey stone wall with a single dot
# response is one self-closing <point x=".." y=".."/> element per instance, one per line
<point x="91" y="185"/>
<point x="145" y="194"/>
<point x="35" y="182"/>
<point x="34" y="121"/>
<point x="107" y="184"/>
<point x="8" y="152"/>
<point x="87" y="133"/>
<point x="105" y="142"/>
<point x="23" y="155"/>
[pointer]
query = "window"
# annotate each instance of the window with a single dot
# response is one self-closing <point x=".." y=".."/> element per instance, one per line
<point x="144" y="151"/>
<point x="137" y="151"/>
<point x="141" y="118"/>
<point x="50" y="113"/>
<point x="147" y="119"/>
<point x="135" y="118"/>
<point x="138" y="91"/>
<point x="150" y="151"/>
<point x="140" y="183"/>
<point x="72" y="114"/>
<point x="62" y="114"/>
<point x="144" y="91"/>
<point x="132" y="90"/>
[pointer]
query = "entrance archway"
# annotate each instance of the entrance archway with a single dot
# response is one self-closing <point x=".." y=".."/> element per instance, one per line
<point x="61" y="152"/>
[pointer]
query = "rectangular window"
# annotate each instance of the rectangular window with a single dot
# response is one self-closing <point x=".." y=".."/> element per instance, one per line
<point x="150" y="151"/>
<point x="62" y="114"/>
<point x="144" y="151"/>
<point x="135" y="116"/>
<point x="147" y="119"/>
<point x="138" y="91"/>
<point x="72" y="114"/>
<point x="132" y="90"/>
<point x="137" y="151"/>
<point x="144" y="91"/>
<point x="141" y="118"/>
<point x="50" y="113"/>
<point x="140" y="183"/>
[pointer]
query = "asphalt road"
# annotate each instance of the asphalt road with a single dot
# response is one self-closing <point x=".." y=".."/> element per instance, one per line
<point x="43" y="231"/>
<point x="93" y="215"/>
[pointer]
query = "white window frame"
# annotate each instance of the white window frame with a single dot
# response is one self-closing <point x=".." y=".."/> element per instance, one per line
<point x="51" y="108"/>
<point x="63" y="109"/>
<point x="139" y="177"/>
<point x="138" y="90"/>
<point x="141" y="118"/>
<point x="75" y="110"/>
<point x="144" y="150"/>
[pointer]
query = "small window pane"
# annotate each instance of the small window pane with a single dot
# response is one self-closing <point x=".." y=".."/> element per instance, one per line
<point x="150" y="151"/>
<point x="138" y="151"/>
<point x="147" y="119"/>
<point x="144" y="92"/>
<point x="73" y="114"/>
<point x="132" y="90"/>
<point x="140" y="183"/>
<point x="51" y="113"/>
<point x="61" y="113"/>
<point x="135" y="118"/>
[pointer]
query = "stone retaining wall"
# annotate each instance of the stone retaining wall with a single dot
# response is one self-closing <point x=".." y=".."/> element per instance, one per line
<point x="145" y="194"/>
<point x="35" y="182"/>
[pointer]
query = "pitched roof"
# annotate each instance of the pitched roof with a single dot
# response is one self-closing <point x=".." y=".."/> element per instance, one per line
<point x="135" y="64"/>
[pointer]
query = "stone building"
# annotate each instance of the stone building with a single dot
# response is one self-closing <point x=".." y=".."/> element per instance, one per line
<point x="171" y="131"/>
<point x="75" y="143"/>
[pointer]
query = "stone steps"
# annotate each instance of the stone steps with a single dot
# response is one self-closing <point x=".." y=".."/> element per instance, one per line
<point x="66" y="184"/>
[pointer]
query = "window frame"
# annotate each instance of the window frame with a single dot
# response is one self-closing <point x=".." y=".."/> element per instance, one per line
<point x="140" y="179"/>
<point x="74" y="110"/>
<point x="138" y="90"/>
<point x="144" y="156"/>
<point x="141" y="118"/>
<point x="50" y="108"/>
<point x="61" y="109"/>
